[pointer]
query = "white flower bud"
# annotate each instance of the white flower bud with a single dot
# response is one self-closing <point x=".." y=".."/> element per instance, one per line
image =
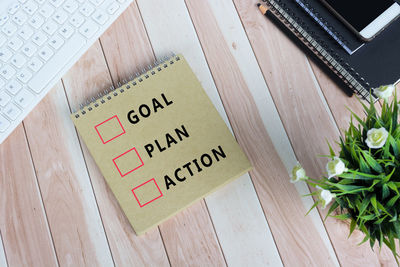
<point x="335" y="167"/>
<point x="376" y="138"/>
<point x="384" y="91"/>
<point x="325" y="197"/>
<point x="298" y="174"/>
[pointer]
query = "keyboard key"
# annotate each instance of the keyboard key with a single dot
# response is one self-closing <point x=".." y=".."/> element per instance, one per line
<point x="100" y="17"/>
<point x="15" y="43"/>
<point x="39" y="38"/>
<point x="11" y="111"/>
<point x="56" y="42"/>
<point x="111" y="9"/>
<point x="25" y="32"/>
<point x="24" y="75"/>
<point x="5" y="54"/>
<point x="2" y="83"/>
<point x="88" y="29"/>
<point x="97" y="2"/>
<point x="66" y="31"/>
<point x="47" y="73"/>
<point x="4" y="124"/>
<point x="87" y="9"/>
<point x="46" y="53"/>
<point x="9" y="28"/>
<point x="3" y="19"/>
<point x="13" y="8"/>
<point x="18" y="60"/>
<point x="29" y="49"/>
<point x="20" y="17"/>
<point x="13" y="87"/>
<point x="3" y="39"/>
<point x="50" y="27"/>
<point x="46" y="11"/>
<point x="56" y="3"/>
<point x="60" y="16"/>
<point x="4" y="98"/>
<point x="30" y="7"/>
<point x="36" y="21"/>
<point x="77" y="20"/>
<point x="7" y="72"/>
<point x="35" y="64"/>
<point x="24" y="98"/>
<point x="70" y="6"/>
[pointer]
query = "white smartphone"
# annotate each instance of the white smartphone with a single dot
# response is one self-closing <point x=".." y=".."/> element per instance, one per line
<point x="366" y="18"/>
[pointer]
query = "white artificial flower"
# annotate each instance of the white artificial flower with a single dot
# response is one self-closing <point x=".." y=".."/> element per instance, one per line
<point x="335" y="167"/>
<point x="376" y="138"/>
<point x="325" y="197"/>
<point x="384" y="91"/>
<point x="298" y="174"/>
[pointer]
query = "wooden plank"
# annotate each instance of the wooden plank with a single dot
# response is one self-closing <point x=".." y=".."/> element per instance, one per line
<point x="271" y="181"/>
<point x="207" y="248"/>
<point x="68" y="197"/>
<point x="86" y="79"/>
<point x="291" y="84"/>
<point x="3" y="260"/>
<point x="240" y="49"/>
<point x="25" y="232"/>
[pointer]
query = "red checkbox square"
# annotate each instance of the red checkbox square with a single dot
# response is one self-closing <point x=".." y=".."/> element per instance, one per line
<point x="147" y="192"/>
<point x="128" y="162"/>
<point x="110" y="129"/>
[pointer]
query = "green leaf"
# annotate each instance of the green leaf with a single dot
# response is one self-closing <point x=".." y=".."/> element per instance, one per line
<point x="365" y="204"/>
<point x="347" y="187"/>
<point x="372" y="162"/>
<point x="354" y="175"/>
<point x="352" y="227"/>
<point x="342" y="217"/>
<point x="385" y="191"/>
<point x="330" y="149"/>
<point x="374" y="204"/>
<point x="368" y="217"/>
<point x="364" y="166"/>
<point x="392" y="201"/>
<point x="331" y="209"/>
<point x="313" y="206"/>
<point x="394" y="145"/>
<point x="393" y="186"/>
<point x="363" y="241"/>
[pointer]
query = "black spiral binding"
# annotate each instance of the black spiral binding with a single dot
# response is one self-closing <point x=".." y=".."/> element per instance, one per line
<point x="341" y="68"/>
<point x="137" y="78"/>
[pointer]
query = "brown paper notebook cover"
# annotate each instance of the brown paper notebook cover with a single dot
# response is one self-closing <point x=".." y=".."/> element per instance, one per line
<point x="160" y="143"/>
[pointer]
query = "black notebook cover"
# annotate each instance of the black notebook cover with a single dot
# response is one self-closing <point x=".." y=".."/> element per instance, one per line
<point x="374" y="64"/>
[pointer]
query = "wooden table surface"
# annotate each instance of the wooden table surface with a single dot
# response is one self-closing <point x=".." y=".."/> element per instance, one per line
<point x="56" y="209"/>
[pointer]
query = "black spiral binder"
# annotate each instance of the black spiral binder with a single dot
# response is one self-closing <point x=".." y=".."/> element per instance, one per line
<point x="108" y="94"/>
<point x="320" y="49"/>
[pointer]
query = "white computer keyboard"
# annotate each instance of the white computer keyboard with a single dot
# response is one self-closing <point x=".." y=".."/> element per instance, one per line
<point x="39" y="41"/>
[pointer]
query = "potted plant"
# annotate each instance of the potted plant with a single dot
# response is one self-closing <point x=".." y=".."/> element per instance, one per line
<point x="363" y="180"/>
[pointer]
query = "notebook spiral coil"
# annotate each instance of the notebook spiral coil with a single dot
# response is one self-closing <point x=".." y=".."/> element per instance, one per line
<point x="341" y="68"/>
<point x="324" y="21"/>
<point x="134" y="80"/>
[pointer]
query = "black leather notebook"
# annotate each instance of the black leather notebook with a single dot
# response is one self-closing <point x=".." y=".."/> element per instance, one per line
<point x="375" y="63"/>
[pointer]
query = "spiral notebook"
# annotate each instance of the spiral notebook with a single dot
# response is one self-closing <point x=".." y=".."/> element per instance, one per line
<point x="374" y="64"/>
<point x="332" y="26"/>
<point x="160" y="143"/>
